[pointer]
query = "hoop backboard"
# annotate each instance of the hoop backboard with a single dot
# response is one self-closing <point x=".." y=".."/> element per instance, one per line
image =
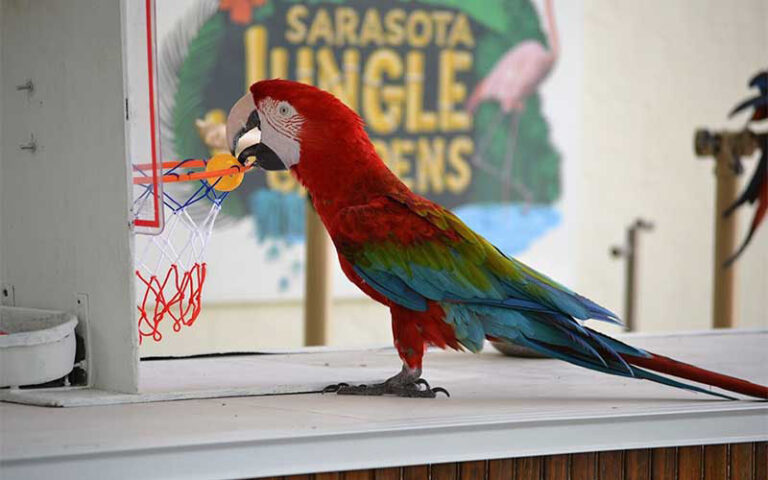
<point x="142" y="117"/>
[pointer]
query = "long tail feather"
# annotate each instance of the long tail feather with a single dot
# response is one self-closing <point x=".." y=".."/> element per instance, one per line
<point x="635" y="372"/>
<point x="640" y="373"/>
<point x="559" y="336"/>
<point x="668" y="366"/>
<point x="638" y="363"/>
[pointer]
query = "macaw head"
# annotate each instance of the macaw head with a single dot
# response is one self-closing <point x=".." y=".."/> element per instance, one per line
<point x="279" y="124"/>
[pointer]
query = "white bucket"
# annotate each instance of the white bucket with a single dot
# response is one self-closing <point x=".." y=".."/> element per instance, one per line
<point x="36" y="346"/>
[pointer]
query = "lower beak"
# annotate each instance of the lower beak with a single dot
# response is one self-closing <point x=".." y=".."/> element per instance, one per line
<point x="262" y="156"/>
<point x="250" y="150"/>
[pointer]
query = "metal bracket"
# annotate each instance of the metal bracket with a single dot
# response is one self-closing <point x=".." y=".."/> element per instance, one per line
<point x="730" y="145"/>
<point x="83" y="331"/>
<point x="28" y="86"/>
<point x="30" y="146"/>
<point x="7" y="295"/>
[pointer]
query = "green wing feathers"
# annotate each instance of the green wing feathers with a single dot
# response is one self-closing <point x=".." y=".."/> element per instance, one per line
<point x="411" y="243"/>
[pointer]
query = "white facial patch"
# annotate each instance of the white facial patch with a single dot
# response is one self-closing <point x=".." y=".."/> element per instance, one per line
<point x="280" y="127"/>
<point x="286" y="148"/>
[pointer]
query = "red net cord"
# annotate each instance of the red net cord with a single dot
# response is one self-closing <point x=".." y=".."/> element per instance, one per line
<point x="176" y="296"/>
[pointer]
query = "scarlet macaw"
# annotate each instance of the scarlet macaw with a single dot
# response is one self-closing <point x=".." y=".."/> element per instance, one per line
<point x="444" y="284"/>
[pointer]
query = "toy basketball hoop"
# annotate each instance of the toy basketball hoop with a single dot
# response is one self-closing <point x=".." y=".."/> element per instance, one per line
<point x="170" y="266"/>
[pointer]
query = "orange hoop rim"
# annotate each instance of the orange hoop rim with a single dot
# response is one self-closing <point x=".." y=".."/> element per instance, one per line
<point x="187" y="177"/>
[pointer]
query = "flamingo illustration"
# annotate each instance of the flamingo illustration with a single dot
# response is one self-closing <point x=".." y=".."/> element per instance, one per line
<point x="514" y="78"/>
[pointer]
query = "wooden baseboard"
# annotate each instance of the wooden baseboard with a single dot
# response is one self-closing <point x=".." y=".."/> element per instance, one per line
<point x="738" y="461"/>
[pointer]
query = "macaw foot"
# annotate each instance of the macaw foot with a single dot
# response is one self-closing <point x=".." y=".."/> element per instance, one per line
<point x="407" y="383"/>
<point x="418" y="389"/>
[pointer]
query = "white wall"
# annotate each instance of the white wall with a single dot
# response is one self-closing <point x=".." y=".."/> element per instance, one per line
<point x="655" y="71"/>
<point x="65" y="208"/>
<point x="244" y="327"/>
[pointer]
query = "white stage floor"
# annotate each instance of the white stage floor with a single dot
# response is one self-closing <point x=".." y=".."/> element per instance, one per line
<point x="500" y="407"/>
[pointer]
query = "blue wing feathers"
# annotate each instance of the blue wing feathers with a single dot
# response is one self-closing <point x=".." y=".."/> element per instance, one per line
<point x="599" y="313"/>
<point x="474" y="314"/>
<point x="577" y="306"/>
<point x="467" y="327"/>
<point x="472" y="323"/>
<point x="583" y="345"/>
<point x="556" y="336"/>
<point x="394" y="288"/>
<point x="618" y="346"/>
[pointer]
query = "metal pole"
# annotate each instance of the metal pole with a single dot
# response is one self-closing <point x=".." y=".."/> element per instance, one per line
<point x="630" y="290"/>
<point x="317" y="293"/>
<point x="629" y="253"/>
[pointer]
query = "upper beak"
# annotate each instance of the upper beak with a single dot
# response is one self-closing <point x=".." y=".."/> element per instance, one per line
<point x="244" y="140"/>
<point x="244" y="137"/>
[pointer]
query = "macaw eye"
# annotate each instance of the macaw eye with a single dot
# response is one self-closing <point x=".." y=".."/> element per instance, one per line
<point x="285" y="109"/>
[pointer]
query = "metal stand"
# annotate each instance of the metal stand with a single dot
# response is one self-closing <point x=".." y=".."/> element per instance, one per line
<point x="629" y="253"/>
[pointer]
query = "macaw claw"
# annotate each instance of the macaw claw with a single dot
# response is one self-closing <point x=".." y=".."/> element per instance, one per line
<point x="434" y="390"/>
<point x="441" y="390"/>
<point x="334" y="387"/>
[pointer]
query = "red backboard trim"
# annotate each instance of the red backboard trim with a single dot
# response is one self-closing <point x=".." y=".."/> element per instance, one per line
<point x="155" y="222"/>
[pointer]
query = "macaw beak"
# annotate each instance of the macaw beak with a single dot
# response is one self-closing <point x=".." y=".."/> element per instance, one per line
<point x="244" y="137"/>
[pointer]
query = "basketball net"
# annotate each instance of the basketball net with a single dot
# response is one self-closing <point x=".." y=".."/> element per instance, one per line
<point x="170" y="267"/>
